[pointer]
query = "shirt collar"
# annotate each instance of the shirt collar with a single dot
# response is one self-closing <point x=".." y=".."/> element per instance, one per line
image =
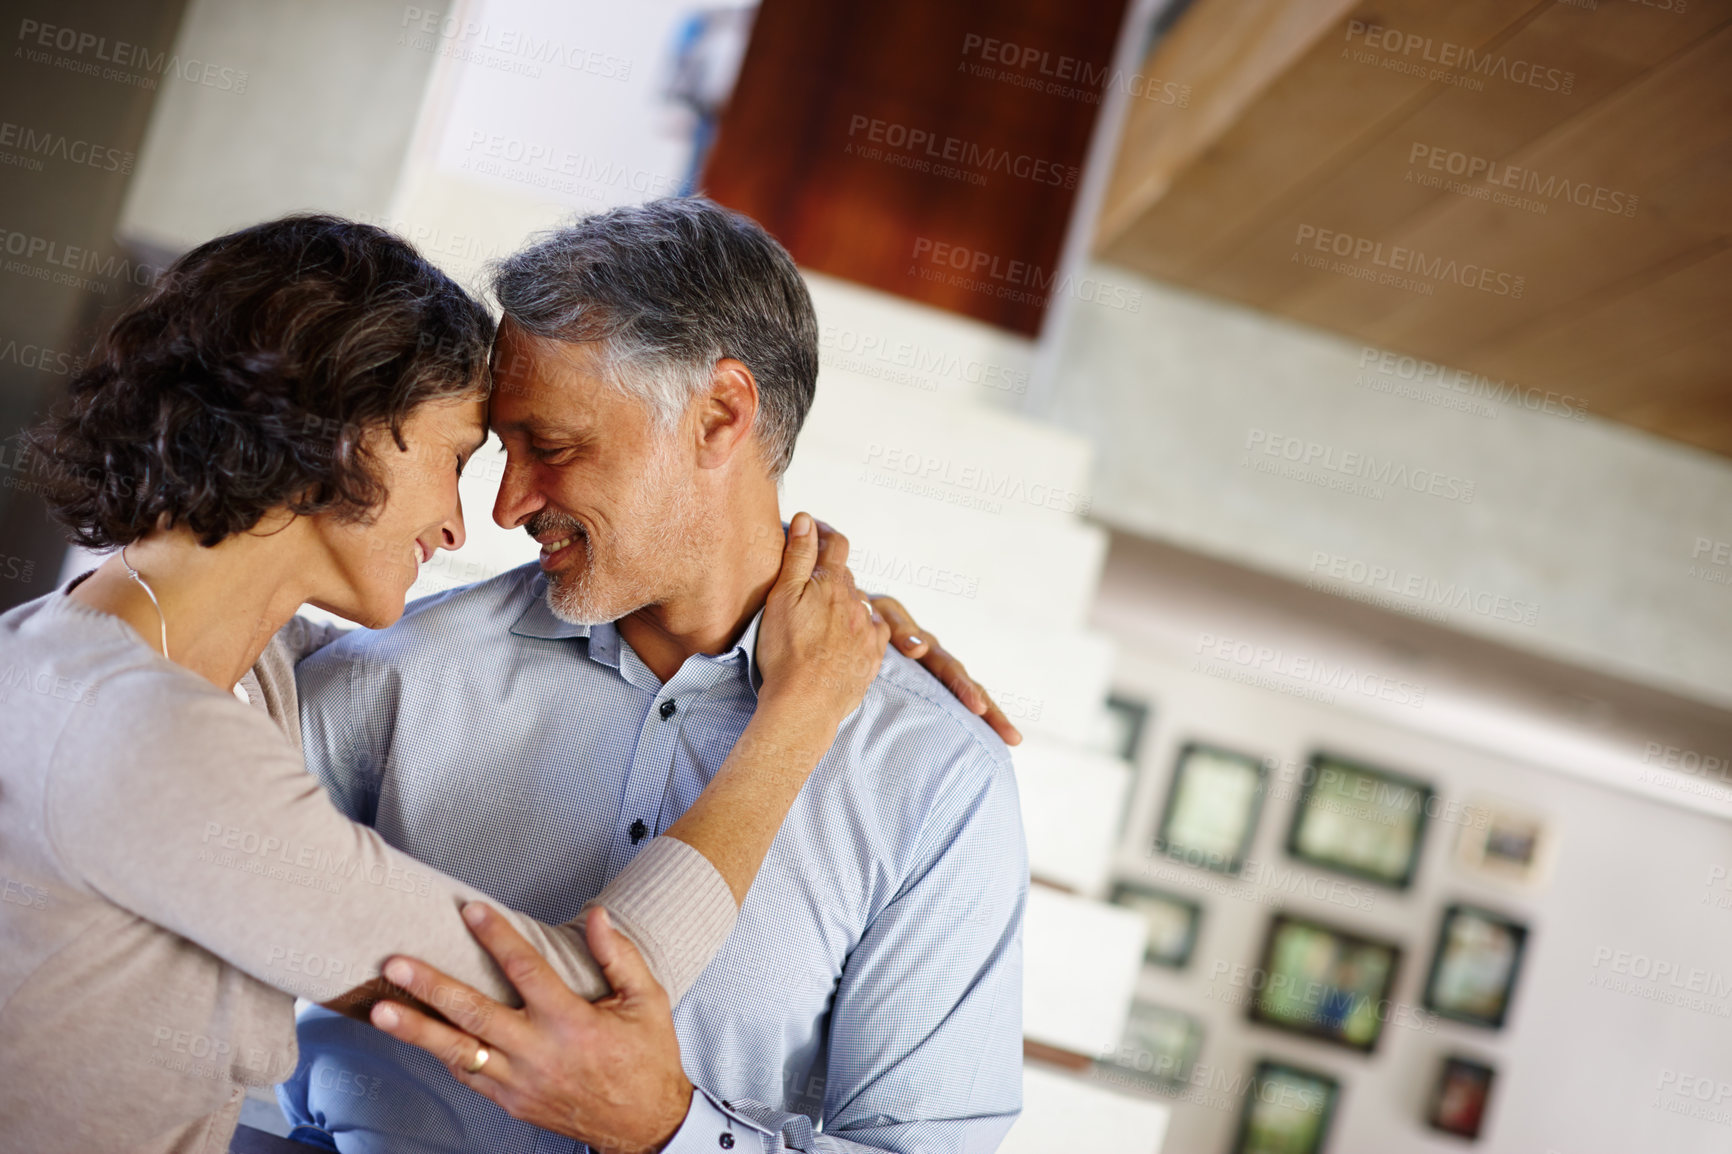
<point x="605" y="642"/>
<point x="747" y="648"/>
<point x="538" y="620"/>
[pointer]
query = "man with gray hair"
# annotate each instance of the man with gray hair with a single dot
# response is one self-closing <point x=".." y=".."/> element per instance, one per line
<point x="651" y="372"/>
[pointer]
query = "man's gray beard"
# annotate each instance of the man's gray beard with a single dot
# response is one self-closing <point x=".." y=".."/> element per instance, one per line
<point x="574" y="598"/>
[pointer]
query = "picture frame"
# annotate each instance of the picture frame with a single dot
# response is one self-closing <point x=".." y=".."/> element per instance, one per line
<point x="1325" y="982"/>
<point x="1358" y="820"/>
<point x="1475" y="965"/>
<point x="1126" y="720"/>
<point x="1287" y="1110"/>
<point x="1460" y="1096"/>
<point x="1173" y="921"/>
<point x="1506" y="844"/>
<point x="1212" y="806"/>
<point x="1158" y="1049"/>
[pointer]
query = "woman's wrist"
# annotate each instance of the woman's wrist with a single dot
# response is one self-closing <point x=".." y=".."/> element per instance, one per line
<point x="789" y="730"/>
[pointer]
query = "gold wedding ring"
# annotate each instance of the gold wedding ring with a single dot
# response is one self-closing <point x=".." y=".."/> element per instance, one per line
<point x="480" y="1060"/>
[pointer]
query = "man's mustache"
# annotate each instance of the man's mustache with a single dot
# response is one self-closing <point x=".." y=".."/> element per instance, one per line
<point x="553" y="521"/>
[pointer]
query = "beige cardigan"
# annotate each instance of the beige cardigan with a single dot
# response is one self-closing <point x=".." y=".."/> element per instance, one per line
<point x="172" y="879"/>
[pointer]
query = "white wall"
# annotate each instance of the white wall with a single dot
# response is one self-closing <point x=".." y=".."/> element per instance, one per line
<point x="331" y="96"/>
<point x="1580" y="1067"/>
<point x="1591" y="524"/>
<point x="506" y="146"/>
<point x="491" y="117"/>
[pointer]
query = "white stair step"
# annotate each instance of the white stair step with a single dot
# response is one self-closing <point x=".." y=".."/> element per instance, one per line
<point x="1080" y="962"/>
<point x="1072" y="802"/>
<point x="900" y="543"/>
<point x="1062" y="1111"/>
<point x="992" y="461"/>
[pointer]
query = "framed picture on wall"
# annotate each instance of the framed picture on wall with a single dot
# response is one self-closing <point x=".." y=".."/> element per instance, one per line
<point x="1172" y="921"/>
<point x="1159" y="1047"/>
<point x="1505" y="844"/>
<point x="1126" y="719"/>
<point x="1325" y="982"/>
<point x="1459" y="1099"/>
<point x="1212" y="807"/>
<point x="1473" y="972"/>
<point x="1287" y="1110"/>
<point x="1361" y="821"/>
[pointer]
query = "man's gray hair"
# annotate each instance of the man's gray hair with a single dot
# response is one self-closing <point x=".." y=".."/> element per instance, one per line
<point x="667" y="289"/>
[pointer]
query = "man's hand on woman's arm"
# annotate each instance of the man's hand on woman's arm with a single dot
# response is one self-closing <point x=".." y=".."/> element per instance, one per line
<point x="610" y="1073"/>
<point x="607" y="1073"/>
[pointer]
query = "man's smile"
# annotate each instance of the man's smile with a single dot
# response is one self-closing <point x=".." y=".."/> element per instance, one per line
<point x="554" y="550"/>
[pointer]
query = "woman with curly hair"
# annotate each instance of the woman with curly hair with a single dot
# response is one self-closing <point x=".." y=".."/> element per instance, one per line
<point x="282" y="421"/>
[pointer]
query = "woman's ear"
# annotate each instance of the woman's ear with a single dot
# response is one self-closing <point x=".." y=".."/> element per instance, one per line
<point x="726" y="413"/>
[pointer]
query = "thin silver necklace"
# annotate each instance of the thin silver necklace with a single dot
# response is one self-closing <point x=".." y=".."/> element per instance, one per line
<point x="239" y="689"/>
<point x="151" y="593"/>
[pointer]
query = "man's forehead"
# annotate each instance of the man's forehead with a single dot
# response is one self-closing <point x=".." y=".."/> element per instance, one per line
<point x="517" y="351"/>
<point x="543" y="384"/>
<point x="544" y="387"/>
<point x="561" y="407"/>
<point x="539" y="416"/>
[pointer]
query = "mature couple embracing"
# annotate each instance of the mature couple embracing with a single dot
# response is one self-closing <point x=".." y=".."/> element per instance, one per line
<point x="670" y="841"/>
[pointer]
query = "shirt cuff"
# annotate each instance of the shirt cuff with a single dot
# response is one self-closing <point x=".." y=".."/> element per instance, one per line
<point x="709" y="1128"/>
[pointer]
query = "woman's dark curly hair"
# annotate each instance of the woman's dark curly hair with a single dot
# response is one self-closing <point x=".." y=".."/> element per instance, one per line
<point x="252" y="378"/>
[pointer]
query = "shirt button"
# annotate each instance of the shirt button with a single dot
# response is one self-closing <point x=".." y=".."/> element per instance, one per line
<point x="638" y="830"/>
<point x="668" y="709"/>
<point x="727" y="1141"/>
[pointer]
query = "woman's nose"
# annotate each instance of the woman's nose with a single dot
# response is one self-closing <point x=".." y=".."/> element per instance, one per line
<point x="451" y="533"/>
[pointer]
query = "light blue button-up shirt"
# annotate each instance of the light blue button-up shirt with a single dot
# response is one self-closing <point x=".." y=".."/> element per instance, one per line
<point x="872" y="988"/>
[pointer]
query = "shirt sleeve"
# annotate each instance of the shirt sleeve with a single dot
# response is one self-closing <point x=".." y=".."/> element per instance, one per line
<point x="925" y="1035"/>
<point x="190" y="810"/>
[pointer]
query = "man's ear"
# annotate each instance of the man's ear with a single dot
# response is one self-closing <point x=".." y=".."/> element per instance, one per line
<point x="726" y="414"/>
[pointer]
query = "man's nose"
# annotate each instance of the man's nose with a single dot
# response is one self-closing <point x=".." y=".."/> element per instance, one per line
<point x="517" y="499"/>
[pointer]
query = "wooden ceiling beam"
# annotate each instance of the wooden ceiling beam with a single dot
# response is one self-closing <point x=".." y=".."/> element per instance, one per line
<point x="1292" y="135"/>
<point x="1223" y="56"/>
<point x="1341" y="142"/>
<point x="1630" y="143"/>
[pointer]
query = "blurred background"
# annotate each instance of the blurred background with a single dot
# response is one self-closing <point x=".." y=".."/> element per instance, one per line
<point x="1311" y="418"/>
